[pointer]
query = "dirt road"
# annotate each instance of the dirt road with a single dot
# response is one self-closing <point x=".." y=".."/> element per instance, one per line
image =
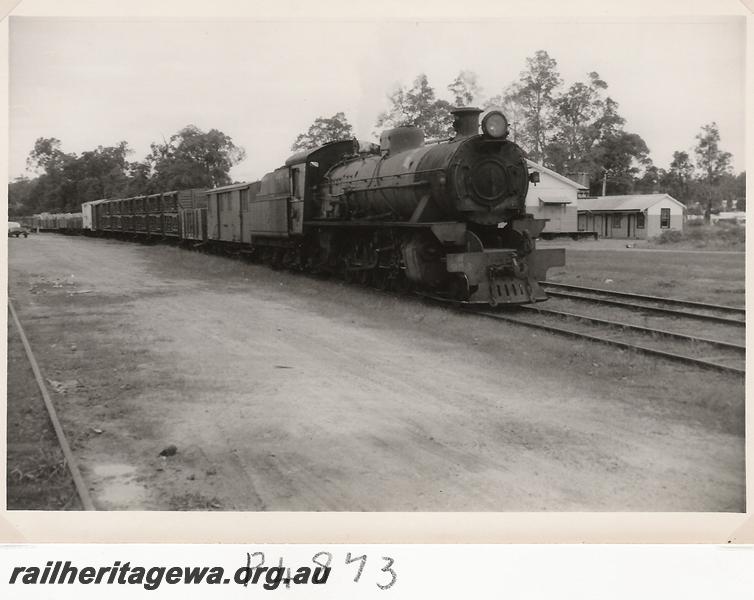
<point x="284" y="392"/>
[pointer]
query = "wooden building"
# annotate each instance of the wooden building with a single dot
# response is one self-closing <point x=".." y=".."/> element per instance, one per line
<point x="641" y="216"/>
<point x="554" y="198"/>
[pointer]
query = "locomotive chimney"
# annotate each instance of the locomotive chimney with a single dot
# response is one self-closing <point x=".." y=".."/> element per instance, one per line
<point x="466" y="120"/>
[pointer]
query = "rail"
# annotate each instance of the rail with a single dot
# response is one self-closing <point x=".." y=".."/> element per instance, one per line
<point x="78" y="480"/>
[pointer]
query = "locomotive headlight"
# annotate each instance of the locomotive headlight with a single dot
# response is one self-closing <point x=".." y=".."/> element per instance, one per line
<point x="495" y="125"/>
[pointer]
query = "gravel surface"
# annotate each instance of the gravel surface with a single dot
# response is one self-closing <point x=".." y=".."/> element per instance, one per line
<point x="188" y="381"/>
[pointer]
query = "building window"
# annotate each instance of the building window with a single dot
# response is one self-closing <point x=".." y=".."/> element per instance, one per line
<point x="640" y="217"/>
<point x="664" y="218"/>
<point x="617" y="221"/>
<point x="245" y="200"/>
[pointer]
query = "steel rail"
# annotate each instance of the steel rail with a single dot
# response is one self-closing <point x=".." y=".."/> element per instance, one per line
<point x="625" y="345"/>
<point x="655" y="309"/>
<point x="676" y="301"/>
<point x="637" y="328"/>
<point x="81" y="488"/>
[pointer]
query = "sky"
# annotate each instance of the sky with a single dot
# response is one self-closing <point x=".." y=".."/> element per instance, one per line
<point x="91" y="82"/>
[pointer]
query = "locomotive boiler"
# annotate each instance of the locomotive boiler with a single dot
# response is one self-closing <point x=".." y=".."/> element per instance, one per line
<point x="449" y="217"/>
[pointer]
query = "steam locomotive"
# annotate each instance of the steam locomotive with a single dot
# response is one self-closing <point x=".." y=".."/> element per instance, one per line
<point x="447" y="219"/>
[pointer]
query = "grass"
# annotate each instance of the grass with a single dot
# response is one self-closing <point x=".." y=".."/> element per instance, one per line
<point x="656" y="385"/>
<point x="697" y="235"/>
<point x="704" y="277"/>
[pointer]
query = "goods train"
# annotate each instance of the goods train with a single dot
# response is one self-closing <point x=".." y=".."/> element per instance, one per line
<point x="447" y="219"/>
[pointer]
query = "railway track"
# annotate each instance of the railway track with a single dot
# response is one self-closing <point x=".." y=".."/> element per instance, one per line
<point x="713" y="336"/>
<point x="78" y="481"/>
<point x="655" y="304"/>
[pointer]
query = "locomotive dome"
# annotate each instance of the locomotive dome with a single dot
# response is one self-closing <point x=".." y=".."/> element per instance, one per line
<point x="400" y="139"/>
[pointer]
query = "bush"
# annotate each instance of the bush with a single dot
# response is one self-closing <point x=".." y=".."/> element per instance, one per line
<point x="722" y="235"/>
<point x="731" y="232"/>
<point x="669" y="237"/>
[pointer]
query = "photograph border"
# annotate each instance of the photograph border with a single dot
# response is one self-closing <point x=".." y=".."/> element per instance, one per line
<point x="309" y="527"/>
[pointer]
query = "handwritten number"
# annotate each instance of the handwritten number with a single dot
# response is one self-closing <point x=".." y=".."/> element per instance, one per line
<point x="362" y="558"/>
<point x="318" y="554"/>
<point x="324" y="559"/>
<point x="387" y="569"/>
<point x="287" y="578"/>
<point x="260" y="555"/>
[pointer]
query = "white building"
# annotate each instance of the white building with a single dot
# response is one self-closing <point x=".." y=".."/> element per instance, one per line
<point x="554" y="198"/>
<point x="641" y="216"/>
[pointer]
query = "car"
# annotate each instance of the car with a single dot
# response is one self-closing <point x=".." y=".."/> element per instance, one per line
<point x="16" y="229"/>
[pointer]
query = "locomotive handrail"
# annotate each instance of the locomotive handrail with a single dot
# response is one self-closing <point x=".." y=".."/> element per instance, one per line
<point x="396" y="186"/>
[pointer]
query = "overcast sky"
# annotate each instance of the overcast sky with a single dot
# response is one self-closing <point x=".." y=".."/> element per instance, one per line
<point x="97" y="82"/>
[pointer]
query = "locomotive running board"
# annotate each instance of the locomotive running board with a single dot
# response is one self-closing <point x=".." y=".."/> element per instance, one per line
<point x="448" y="232"/>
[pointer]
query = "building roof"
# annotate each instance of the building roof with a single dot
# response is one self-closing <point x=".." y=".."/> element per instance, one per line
<point x="553" y="199"/>
<point x="558" y="176"/>
<point x="626" y="203"/>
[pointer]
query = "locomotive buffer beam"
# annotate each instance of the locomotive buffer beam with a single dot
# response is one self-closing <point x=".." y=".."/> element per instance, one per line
<point x="499" y="276"/>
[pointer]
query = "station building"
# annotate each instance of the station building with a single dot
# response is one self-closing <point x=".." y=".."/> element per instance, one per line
<point x="555" y="198"/>
<point x="640" y="216"/>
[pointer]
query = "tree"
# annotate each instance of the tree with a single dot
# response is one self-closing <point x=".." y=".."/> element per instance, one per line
<point x="649" y="183"/>
<point x="609" y="122"/>
<point x="417" y="106"/>
<point x="534" y="93"/>
<point x="577" y="121"/>
<point x="710" y="160"/>
<point x="193" y="158"/>
<point x="139" y="179"/>
<point x="465" y="88"/>
<point x="47" y="156"/>
<point x="99" y="173"/>
<point x="732" y="191"/>
<point x="713" y="164"/>
<point x="586" y="135"/>
<point x="621" y="154"/>
<point x="21" y="196"/>
<point x="48" y="161"/>
<point x="677" y="179"/>
<point x="738" y="191"/>
<point x="324" y="130"/>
